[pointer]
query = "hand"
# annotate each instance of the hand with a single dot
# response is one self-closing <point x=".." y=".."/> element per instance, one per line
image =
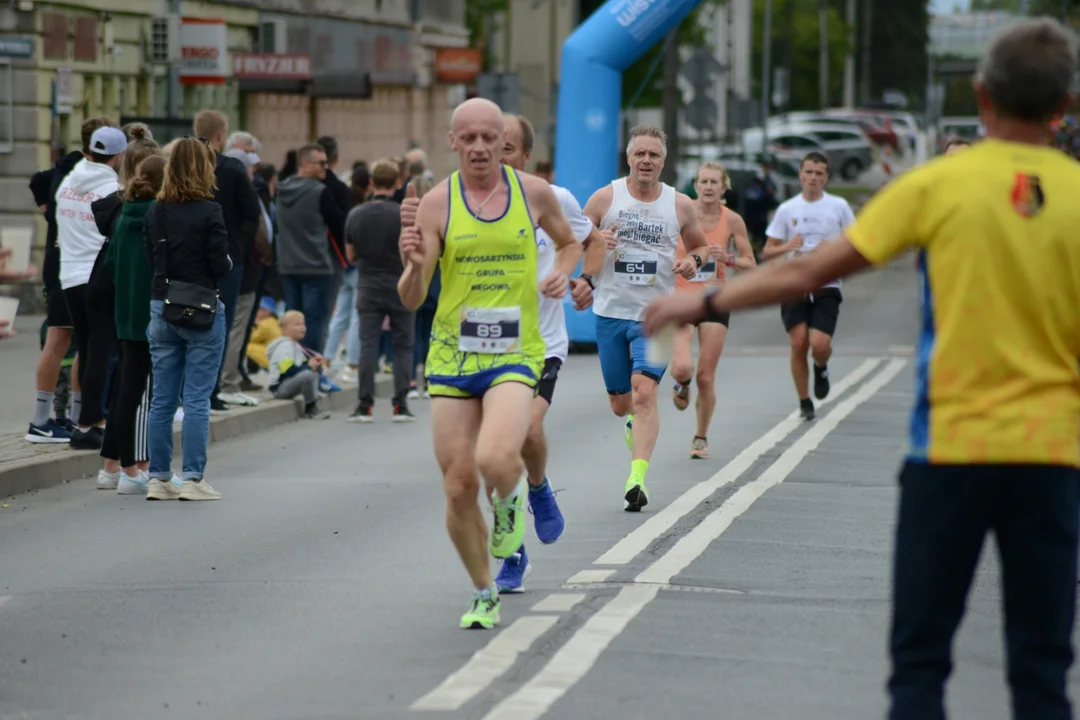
<point x="717" y="253"/>
<point x="678" y="309"/>
<point x="794" y="243"/>
<point x="581" y="293"/>
<point x="6" y="276"/>
<point x="412" y="247"/>
<point x="314" y="362"/>
<point x="610" y="240"/>
<point x="409" y="206"/>
<point x="4" y="331"/>
<point x="554" y="285"/>
<point x="687" y="267"/>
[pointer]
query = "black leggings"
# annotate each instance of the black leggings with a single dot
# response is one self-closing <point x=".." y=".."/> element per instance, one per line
<point x="95" y="332"/>
<point x="129" y="407"/>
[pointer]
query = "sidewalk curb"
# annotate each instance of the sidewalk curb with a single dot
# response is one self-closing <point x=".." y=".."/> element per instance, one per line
<point x="65" y="465"/>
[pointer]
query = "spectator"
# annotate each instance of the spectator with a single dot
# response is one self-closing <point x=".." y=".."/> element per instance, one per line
<point x="340" y="193"/>
<point x="80" y="241"/>
<point x="372" y="234"/>
<point x="307" y="213"/>
<point x="58" y="339"/>
<point x="267" y="330"/>
<point x="425" y="316"/>
<point x="137" y="131"/>
<point x="360" y="183"/>
<point x="291" y="165"/>
<point x="346" y="320"/>
<point x="257" y="254"/>
<point x="240" y="208"/>
<point x="131" y="275"/>
<point x="187" y="242"/>
<point x="244" y="141"/>
<point x="292" y="372"/>
<point x="544" y="169"/>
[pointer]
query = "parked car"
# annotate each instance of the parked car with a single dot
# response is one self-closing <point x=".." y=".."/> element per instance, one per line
<point x="954" y="127"/>
<point x="878" y="132"/>
<point x="848" y="149"/>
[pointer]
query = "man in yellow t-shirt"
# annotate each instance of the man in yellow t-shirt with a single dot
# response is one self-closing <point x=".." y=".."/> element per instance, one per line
<point x="995" y="431"/>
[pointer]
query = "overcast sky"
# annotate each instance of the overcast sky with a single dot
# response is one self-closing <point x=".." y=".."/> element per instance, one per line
<point x="947" y="6"/>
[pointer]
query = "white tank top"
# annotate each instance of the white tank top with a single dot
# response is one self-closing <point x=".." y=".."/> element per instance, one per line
<point x="639" y="269"/>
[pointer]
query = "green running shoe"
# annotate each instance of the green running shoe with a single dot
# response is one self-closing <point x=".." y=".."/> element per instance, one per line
<point x="628" y="431"/>
<point x="635" y="496"/>
<point x="508" y="525"/>
<point x="483" y="613"/>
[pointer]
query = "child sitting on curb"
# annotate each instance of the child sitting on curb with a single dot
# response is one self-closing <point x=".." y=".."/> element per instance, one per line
<point x="267" y="329"/>
<point x="292" y="373"/>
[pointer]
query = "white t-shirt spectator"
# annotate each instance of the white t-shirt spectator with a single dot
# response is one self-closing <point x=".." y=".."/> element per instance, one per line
<point x="77" y="233"/>
<point x="552" y="314"/>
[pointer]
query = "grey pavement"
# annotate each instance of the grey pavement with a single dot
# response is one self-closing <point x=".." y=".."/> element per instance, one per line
<point x="323" y="585"/>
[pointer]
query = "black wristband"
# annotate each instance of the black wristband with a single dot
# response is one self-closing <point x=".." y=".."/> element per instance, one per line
<point x="588" y="279"/>
<point x="709" y="313"/>
<point x="697" y="259"/>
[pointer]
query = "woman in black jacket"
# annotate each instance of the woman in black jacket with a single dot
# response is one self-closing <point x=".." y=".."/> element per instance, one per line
<point x="188" y="248"/>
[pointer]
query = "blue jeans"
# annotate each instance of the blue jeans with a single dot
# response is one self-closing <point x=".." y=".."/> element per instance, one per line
<point x="192" y="357"/>
<point x="346" y="321"/>
<point x="310" y="294"/>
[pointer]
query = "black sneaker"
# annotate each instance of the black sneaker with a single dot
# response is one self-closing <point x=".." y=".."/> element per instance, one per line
<point x="821" y="382"/>
<point x="218" y="407"/>
<point x="362" y="414"/>
<point x="313" y="412"/>
<point x="402" y="414"/>
<point x="806" y="409"/>
<point x="87" y="439"/>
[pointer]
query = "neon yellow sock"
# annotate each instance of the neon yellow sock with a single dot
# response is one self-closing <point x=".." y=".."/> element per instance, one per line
<point x="638" y="468"/>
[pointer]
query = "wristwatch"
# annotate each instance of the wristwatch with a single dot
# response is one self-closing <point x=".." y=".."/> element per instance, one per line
<point x="697" y="259"/>
<point x="588" y="279"/>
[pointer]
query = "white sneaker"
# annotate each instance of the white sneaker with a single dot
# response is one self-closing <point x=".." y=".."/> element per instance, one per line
<point x="201" y="490"/>
<point x="138" y="485"/>
<point x="107" y="480"/>
<point x="414" y="394"/>
<point x="163" y="489"/>
<point x="238" y="399"/>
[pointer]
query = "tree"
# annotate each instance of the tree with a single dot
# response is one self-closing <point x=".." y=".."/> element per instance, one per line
<point x="899" y="38"/>
<point x="482" y="17"/>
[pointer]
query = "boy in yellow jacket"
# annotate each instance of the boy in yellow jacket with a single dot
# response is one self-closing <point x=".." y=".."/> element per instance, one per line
<point x="267" y="330"/>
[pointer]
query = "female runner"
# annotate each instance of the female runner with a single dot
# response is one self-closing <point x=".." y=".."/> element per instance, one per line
<point x="722" y="226"/>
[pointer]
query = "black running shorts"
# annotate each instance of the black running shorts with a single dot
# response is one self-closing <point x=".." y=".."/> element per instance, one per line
<point x="546" y="387"/>
<point x="819" y="311"/>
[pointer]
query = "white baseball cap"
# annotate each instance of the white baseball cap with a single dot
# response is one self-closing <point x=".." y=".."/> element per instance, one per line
<point x="108" y="141"/>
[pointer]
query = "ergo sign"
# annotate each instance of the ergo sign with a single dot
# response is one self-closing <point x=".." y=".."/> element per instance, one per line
<point x="203" y="51"/>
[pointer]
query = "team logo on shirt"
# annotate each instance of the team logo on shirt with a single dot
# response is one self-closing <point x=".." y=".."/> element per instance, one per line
<point x="1027" y="195"/>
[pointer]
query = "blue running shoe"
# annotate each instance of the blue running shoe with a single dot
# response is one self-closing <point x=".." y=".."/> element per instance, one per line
<point x="328" y="387"/>
<point x="512" y="574"/>
<point x="50" y="432"/>
<point x="546" y="514"/>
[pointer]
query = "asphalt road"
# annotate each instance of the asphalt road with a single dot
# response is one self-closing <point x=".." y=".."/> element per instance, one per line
<point x="323" y="586"/>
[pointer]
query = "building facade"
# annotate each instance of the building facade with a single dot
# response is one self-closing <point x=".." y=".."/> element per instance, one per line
<point x="361" y="70"/>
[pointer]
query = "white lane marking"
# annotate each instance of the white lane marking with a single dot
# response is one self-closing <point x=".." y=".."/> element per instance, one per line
<point x="558" y="602"/>
<point x="575" y="658"/>
<point x="645" y="534"/>
<point x="581" y="651"/>
<point x="587" y="576"/>
<point x="694" y="543"/>
<point x="487" y="664"/>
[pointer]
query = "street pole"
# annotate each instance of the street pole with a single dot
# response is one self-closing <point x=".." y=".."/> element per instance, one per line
<point x="766" y="72"/>
<point x="849" y="59"/>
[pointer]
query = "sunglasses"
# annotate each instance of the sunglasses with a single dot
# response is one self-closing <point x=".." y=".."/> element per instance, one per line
<point x="203" y="140"/>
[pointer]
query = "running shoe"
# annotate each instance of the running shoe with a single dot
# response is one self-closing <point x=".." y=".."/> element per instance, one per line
<point x="699" y="450"/>
<point x="483" y="611"/>
<point x="547" y="517"/>
<point x="52" y="431"/>
<point x="629" y="432"/>
<point x="512" y="574"/>
<point x="402" y="414"/>
<point x="107" y="480"/>
<point x="806" y="409"/>
<point x="681" y="396"/>
<point x="164" y="489"/>
<point x="192" y="491"/>
<point x="138" y="485"/>
<point x="635" y="495"/>
<point x="325" y="386"/>
<point x="362" y="414"/>
<point x="508" y="524"/>
<point x="821" y="382"/>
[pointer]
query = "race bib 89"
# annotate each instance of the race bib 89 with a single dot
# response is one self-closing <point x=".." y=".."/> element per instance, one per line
<point x="490" y="330"/>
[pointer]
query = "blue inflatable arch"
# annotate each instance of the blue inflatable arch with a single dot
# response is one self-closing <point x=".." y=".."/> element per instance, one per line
<point x="590" y="101"/>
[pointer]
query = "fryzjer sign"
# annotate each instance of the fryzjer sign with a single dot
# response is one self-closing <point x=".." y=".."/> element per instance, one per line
<point x="271" y="66"/>
<point x="203" y="51"/>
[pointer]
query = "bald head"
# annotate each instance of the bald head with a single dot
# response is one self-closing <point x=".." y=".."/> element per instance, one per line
<point x="476" y="111"/>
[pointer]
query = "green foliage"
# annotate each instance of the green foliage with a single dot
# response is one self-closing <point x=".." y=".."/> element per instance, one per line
<point x="481" y="17"/>
<point x="898" y="42"/>
<point x="797" y="47"/>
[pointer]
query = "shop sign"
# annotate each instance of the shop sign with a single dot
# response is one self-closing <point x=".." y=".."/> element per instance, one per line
<point x="275" y="66"/>
<point x="203" y="51"/>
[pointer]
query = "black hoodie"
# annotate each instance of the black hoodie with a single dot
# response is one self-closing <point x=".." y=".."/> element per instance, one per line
<point x="44" y="185"/>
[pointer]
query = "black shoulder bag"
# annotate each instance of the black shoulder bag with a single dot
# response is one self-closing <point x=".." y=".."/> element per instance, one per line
<point x="187" y="305"/>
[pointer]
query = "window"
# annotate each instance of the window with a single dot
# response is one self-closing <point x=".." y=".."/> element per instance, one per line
<point x="795" y="141"/>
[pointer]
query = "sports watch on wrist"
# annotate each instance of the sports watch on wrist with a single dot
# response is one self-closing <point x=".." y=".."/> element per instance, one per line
<point x="588" y="279"/>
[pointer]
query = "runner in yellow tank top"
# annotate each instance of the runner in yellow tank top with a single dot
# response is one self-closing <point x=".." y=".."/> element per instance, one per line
<point x="721" y="225"/>
<point x="487" y="350"/>
<point x="486" y="329"/>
